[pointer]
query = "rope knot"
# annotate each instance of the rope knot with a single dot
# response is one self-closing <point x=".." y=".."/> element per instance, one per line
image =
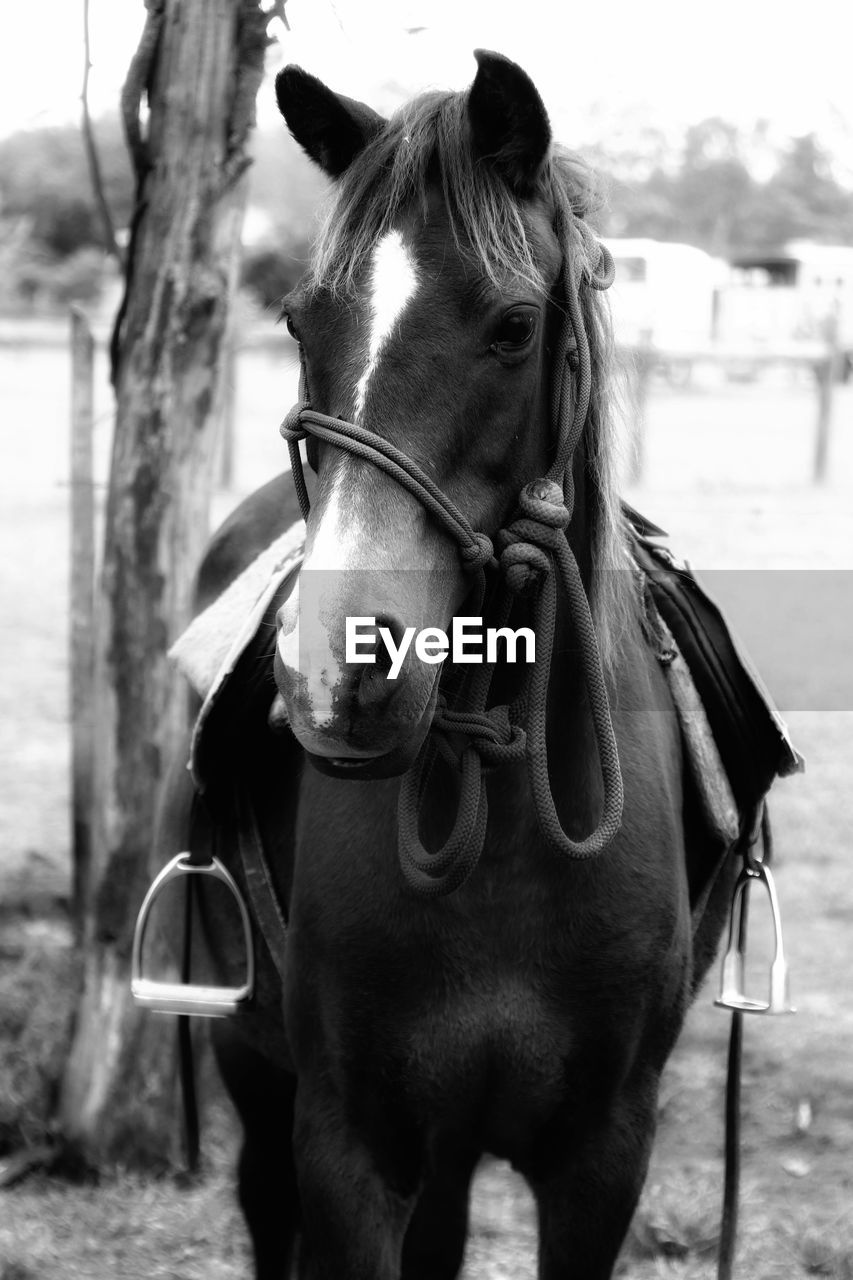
<point x="495" y="738"/>
<point x="542" y="501"/>
<point x="291" y="428"/>
<point x="524" y="565"/>
<point x="478" y="553"/>
<point x="508" y="744"/>
<point x="543" y="515"/>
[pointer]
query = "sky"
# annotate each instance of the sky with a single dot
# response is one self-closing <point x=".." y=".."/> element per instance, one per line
<point x="664" y="62"/>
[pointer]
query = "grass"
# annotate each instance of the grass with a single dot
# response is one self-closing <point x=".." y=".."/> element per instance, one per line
<point x="798" y="1107"/>
<point x="37" y="984"/>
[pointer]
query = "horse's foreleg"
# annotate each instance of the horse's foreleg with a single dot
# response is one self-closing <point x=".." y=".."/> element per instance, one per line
<point x="356" y="1198"/>
<point x="588" y="1191"/>
<point x="263" y="1096"/>
<point x="435" y="1241"/>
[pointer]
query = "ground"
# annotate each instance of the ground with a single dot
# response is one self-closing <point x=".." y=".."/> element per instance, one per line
<point x="727" y="469"/>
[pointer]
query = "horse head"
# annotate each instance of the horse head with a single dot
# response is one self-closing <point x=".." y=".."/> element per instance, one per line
<point x="428" y="317"/>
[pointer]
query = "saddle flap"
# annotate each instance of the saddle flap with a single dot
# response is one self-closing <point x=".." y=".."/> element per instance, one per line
<point x="752" y="737"/>
<point x="232" y="630"/>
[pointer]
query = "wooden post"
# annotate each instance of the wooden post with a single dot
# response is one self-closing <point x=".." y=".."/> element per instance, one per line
<point x="827" y="375"/>
<point x="188" y="107"/>
<point x="81" y="590"/>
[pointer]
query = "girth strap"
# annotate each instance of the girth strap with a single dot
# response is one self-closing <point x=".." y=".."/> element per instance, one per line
<point x="263" y="897"/>
<point x="267" y="911"/>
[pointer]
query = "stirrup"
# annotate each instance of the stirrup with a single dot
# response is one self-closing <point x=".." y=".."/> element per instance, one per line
<point x="190" y="997"/>
<point x="732" y="994"/>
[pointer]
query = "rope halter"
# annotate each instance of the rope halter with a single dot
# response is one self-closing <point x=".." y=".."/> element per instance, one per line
<point x="531" y="550"/>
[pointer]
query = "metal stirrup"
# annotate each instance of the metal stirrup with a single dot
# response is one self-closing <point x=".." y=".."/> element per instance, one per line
<point x="732" y="983"/>
<point x="190" y="997"/>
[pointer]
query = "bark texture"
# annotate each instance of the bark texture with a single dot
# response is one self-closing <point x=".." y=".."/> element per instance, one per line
<point x="199" y="65"/>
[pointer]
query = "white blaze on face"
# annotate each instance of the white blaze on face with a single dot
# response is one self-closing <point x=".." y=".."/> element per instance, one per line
<point x="393" y="282"/>
<point x="338" y="542"/>
<point x="303" y="642"/>
<point x="300" y="653"/>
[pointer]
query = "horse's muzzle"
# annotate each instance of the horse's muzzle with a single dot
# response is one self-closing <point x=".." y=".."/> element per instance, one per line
<point x="390" y="765"/>
<point x="361" y="725"/>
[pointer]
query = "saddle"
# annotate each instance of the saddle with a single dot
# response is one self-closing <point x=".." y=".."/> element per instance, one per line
<point x="728" y="702"/>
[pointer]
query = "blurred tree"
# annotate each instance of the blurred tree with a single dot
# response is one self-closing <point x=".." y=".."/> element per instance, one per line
<point x="286" y="188"/>
<point x="198" y="67"/>
<point x="268" y="274"/>
<point x="285" y="184"/>
<point x="728" y="189"/>
<point x="644" y="208"/>
<point x="803" y="199"/>
<point x="43" y="175"/>
<point x="64" y="224"/>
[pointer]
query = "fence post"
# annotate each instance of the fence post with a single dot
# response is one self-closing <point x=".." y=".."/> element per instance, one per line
<point x="643" y="360"/>
<point x="82" y="607"/>
<point x="827" y="373"/>
<point x="227" y="425"/>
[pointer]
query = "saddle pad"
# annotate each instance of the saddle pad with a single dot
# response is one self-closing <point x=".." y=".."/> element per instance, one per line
<point x="751" y="736"/>
<point x="208" y="652"/>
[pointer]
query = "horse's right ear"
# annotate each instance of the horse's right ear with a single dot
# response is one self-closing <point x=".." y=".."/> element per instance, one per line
<point x="332" y="129"/>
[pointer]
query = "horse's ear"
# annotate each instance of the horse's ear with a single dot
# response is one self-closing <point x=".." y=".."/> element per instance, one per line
<point x="509" y="123"/>
<point x="332" y="129"/>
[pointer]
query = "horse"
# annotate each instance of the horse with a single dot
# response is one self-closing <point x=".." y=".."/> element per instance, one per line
<point x="499" y="890"/>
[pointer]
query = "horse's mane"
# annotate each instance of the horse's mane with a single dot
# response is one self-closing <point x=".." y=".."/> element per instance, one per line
<point x="427" y="140"/>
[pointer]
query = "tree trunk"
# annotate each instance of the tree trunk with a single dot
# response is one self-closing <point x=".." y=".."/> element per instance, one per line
<point x="200" y="63"/>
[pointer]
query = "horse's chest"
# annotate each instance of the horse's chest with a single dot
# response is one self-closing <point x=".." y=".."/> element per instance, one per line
<point x="492" y="1055"/>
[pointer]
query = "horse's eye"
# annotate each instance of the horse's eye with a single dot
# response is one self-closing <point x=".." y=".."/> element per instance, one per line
<point x="515" y="330"/>
<point x="291" y="327"/>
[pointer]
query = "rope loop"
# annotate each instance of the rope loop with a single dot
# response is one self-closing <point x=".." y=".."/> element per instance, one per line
<point x="434" y="874"/>
<point x="605" y="270"/>
<point x="602" y="275"/>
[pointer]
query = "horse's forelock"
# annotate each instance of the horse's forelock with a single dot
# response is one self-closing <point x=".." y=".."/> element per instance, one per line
<point x="426" y="141"/>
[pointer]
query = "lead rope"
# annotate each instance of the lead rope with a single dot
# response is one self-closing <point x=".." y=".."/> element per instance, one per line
<point x="530" y="548"/>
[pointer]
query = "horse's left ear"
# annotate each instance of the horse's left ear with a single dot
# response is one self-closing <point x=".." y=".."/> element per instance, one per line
<point x="509" y="123"/>
<point x="332" y="129"/>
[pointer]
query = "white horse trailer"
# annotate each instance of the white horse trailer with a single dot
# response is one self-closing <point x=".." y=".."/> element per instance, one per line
<point x="801" y="292"/>
<point x="664" y="294"/>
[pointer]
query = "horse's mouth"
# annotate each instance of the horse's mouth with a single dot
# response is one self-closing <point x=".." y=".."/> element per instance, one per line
<point x="361" y="765"/>
<point x="366" y="769"/>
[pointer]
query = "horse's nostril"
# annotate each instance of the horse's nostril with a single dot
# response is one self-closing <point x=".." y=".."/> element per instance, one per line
<point x="373" y="686"/>
<point x="376" y="679"/>
<point x="386" y="648"/>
